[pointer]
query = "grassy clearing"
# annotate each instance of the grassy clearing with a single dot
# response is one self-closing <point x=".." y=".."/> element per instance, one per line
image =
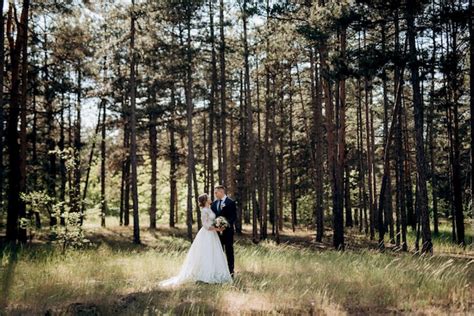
<point x="116" y="277"/>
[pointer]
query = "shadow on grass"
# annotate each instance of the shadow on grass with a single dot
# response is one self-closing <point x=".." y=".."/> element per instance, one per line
<point x="11" y="254"/>
<point x="153" y="302"/>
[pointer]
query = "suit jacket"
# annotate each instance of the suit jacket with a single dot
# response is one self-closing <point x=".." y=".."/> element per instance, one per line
<point x="229" y="211"/>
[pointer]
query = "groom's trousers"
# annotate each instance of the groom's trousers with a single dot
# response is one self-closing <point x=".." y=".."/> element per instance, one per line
<point x="227" y="240"/>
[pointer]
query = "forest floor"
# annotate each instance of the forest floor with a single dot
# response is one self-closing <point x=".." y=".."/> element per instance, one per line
<point x="298" y="276"/>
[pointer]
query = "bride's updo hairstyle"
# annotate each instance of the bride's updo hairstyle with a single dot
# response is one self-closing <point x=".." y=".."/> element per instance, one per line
<point x="202" y="199"/>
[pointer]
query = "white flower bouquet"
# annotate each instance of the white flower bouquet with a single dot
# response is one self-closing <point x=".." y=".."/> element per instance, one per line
<point x="221" y="222"/>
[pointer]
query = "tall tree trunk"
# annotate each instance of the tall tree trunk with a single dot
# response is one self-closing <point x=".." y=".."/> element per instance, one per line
<point x="212" y="102"/>
<point x="453" y="92"/>
<point x="153" y="161"/>
<point x="400" y="155"/>
<point x="387" y="207"/>
<point x="50" y="141"/>
<point x="77" y="204"/>
<point x="16" y="182"/>
<point x="23" y="123"/>
<point x="386" y="158"/>
<point x="369" y="161"/>
<point x="70" y="139"/>
<point x="91" y="158"/>
<point x="471" y="89"/>
<point x="126" y="168"/>
<point x="316" y="102"/>
<point x="431" y="136"/>
<point x="418" y="116"/>
<point x="293" y="200"/>
<point x="338" y="211"/>
<point x="266" y="154"/>
<point x="223" y="124"/>
<point x="189" y="119"/>
<point x="173" y="156"/>
<point x="2" y="71"/>
<point x="401" y="203"/>
<point x="250" y="163"/>
<point x="456" y="176"/>
<point x="280" y="167"/>
<point x="173" y="169"/>
<point x="332" y="158"/>
<point x="133" y="130"/>
<point x="362" y="187"/>
<point x="360" y="158"/>
<point x="103" y="198"/>
<point x="62" y="161"/>
<point x="241" y="195"/>
<point x="450" y="169"/>
<point x="273" y="168"/>
<point x="411" y="218"/>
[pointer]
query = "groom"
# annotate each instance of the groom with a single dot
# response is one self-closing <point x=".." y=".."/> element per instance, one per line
<point x="225" y="206"/>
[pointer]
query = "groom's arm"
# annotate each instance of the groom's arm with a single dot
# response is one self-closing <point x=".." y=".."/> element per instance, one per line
<point x="232" y="214"/>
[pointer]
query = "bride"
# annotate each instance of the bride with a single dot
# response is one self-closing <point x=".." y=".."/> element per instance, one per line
<point x="205" y="260"/>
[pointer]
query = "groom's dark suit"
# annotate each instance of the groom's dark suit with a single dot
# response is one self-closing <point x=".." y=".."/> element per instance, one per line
<point x="229" y="211"/>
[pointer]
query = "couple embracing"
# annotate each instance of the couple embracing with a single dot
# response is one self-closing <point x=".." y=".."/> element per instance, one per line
<point x="205" y="260"/>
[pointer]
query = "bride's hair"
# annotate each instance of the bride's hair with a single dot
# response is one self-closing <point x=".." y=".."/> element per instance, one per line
<point x="202" y="199"/>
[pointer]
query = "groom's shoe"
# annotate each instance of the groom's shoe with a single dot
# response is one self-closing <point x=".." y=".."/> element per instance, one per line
<point x="232" y="275"/>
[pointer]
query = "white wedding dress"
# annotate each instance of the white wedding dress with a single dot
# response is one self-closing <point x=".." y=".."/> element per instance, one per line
<point x="205" y="260"/>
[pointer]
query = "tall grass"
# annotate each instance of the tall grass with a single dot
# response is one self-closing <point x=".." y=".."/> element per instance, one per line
<point x="116" y="277"/>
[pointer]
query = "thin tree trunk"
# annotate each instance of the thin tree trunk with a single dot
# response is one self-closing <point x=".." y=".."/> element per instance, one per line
<point x="316" y="102"/>
<point x="173" y="156"/>
<point x="360" y="157"/>
<point x="281" y="152"/>
<point x="133" y="131"/>
<point x="241" y="196"/>
<point x="450" y="169"/>
<point x="362" y="187"/>
<point x="189" y="120"/>
<point x="456" y="168"/>
<point x="103" y="198"/>
<point x="293" y="200"/>
<point x="50" y="165"/>
<point x="471" y="89"/>
<point x="388" y="211"/>
<point x="2" y="71"/>
<point x="250" y="163"/>
<point x="23" y="123"/>
<point x="369" y="161"/>
<point x="273" y="169"/>
<point x="212" y="102"/>
<point x="91" y="158"/>
<point x="77" y="204"/>
<point x="259" y="159"/>
<point x="431" y="136"/>
<point x="266" y="156"/>
<point x="418" y="116"/>
<point x="341" y="152"/>
<point x="62" y="162"/>
<point x="153" y="161"/>
<point x="347" y="197"/>
<point x="401" y="203"/>
<point x="126" y="169"/>
<point x="223" y="179"/>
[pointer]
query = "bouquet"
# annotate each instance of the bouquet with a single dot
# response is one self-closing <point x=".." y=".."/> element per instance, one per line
<point x="221" y="222"/>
